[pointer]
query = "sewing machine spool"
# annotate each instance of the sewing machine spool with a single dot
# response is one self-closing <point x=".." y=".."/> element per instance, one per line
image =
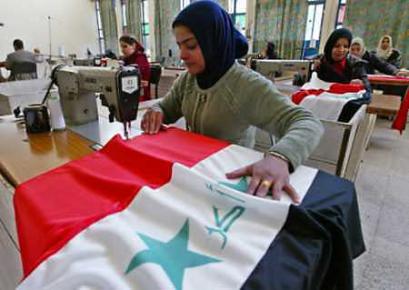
<point x="36" y="118"/>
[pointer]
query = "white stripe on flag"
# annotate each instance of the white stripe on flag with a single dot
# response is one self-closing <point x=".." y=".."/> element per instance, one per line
<point x="227" y="233"/>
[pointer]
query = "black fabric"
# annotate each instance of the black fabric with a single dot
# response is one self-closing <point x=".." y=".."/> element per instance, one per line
<point x="315" y="247"/>
<point x="375" y="63"/>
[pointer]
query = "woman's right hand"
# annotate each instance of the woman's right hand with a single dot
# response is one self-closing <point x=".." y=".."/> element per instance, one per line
<point x="152" y="121"/>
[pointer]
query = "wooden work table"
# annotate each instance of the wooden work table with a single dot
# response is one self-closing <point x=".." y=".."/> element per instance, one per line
<point x="24" y="156"/>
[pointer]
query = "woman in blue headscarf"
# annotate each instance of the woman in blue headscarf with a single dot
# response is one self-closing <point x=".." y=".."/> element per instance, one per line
<point x="220" y="98"/>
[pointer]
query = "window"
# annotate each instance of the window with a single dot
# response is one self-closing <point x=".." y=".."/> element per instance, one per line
<point x="184" y="3"/>
<point x="100" y="31"/>
<point x="314" y="21"/>
<point x="341" y="13"/>
<point x="124" y="17"/>
<point x="237" y="10"/>
<point x="145" y="24"/>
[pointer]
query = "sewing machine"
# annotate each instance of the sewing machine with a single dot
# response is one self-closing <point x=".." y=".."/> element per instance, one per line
<point x="118" y="88"/>
<point x="272" y="67"/>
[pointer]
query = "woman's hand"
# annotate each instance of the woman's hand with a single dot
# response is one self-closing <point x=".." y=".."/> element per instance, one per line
<point x="152" y="121"/>
<point x="144" y="83"/>
<point x="403" y="73"/>
<point x="268" y="173"/>
<point x="357" y="82"/>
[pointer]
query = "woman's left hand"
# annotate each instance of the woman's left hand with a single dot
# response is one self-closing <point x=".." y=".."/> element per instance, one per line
<point x="144" y="83"/>
<point x="268" y="173"/>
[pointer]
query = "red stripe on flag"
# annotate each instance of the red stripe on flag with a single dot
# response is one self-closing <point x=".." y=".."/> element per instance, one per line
<point x="54" y="207"/>
<point x="336" y="88"/>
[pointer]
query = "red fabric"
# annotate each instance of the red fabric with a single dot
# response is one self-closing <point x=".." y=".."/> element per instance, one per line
<point x="54" y="207"/>
<point x="336" y="88"/>
<point x="139" y="58"/>
<point x="298" y="96"/>
<point x="401" y="117"/>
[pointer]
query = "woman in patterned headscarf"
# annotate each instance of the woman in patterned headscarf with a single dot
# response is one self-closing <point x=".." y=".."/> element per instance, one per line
<point x="386" y="51"/>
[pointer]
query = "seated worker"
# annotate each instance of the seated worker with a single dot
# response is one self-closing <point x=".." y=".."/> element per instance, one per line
<point x="270" y="51"/>
<point x="221" y="98"/>
<point x="337" y="66"/>
<point x="19" y="56"/>
<point x="386" y="52"/>
<point x="133" y="53"/>
<point x="358" y="49"/>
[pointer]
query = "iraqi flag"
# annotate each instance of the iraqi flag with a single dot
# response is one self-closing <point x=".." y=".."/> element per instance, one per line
<point x="157" y="212"/>
<point x="327" y="100"/>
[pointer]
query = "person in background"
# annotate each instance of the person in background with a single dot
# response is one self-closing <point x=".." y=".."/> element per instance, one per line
<point x="19" y="55"/>
<point x="222" y="99"/>
<point x="373" y="62"/>
<point x="386" y="52"/>
<point x="270" y="51"/>
<point x="336" y="65"/>
<point x="133" y="54"/>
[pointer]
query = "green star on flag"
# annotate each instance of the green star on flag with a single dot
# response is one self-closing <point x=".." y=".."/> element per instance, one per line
<point x="173" y="256"/>
<point x="241" y="186"/>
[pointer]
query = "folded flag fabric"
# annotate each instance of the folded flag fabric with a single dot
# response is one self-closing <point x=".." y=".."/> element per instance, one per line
<point x="327" y="100"/>
<point x="154" y="212"/>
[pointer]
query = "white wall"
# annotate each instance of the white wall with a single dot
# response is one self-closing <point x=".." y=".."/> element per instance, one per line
<point x="73" y="25"/>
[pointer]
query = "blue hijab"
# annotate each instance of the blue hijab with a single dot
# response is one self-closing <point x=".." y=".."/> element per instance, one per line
<point x="219" y="41"/>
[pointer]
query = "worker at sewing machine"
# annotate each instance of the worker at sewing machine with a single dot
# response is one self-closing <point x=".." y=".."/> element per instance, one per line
<point x="223" y="99"/>
<point x="21" y="63"/>
<point x="134" y="54"/>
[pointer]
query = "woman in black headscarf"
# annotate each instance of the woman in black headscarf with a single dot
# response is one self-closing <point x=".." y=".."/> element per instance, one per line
<point x="220" y="98"/>
<point x="338" y="66"/>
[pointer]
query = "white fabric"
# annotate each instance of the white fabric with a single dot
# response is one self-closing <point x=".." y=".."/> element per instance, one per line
<point x="23" y="93"/>
<point x="98" y="257"/>
<point x="316" y="84"/>
<point x="328" y="106"/>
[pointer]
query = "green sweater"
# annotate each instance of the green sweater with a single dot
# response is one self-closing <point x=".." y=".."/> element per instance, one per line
<point x="240" y="99"/>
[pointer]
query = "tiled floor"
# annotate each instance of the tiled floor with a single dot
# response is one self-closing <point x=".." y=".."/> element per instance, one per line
<point x="383" y="193"/>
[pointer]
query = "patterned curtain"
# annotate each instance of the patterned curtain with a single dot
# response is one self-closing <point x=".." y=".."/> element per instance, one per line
<point x="283" y="22"/>
<point x="109" y="26"/>
<point x="134" y="18"/>
<point x="224" y="4"/>
<point x="165" y="44"/>
<point x="372" y="19"/>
